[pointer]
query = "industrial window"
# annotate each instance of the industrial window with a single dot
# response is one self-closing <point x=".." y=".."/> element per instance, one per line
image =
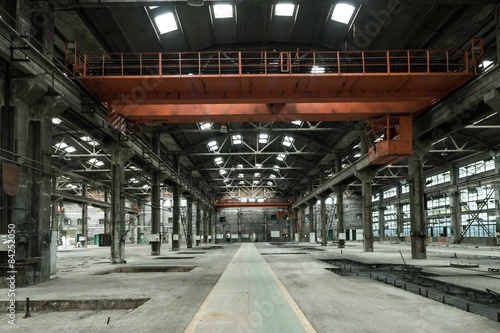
<point x="480" y="225"/>
<point x="101" y="221"/>
<point x="79" y="221"/>
<point x="438" y="179"/>
<point x="477" y="198"/>
<point x="375" y="219"/>
<point x="376" y="197"/>
<point x="390" y="221"/>
<point x="222" y="219"/>
<point x="475" y="168"/>
<point x="405" y="211"/>
<point x="405" y="189"/>
<point x="439" y="226"/>
<point x="438" y="206"/>
<point x="67" y="221"/>
<point x="478" y="211"/>
<point x="389" y="193"/>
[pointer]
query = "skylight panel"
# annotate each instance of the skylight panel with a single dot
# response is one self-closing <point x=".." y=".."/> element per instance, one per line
<point x="297" y="122"/>
<point x="60" y="145"/>
<point x="240" y="166"/>
<point x="153" y="7"/>
<point x="284" y="9"/>
<point x="237" y="139"/>
<point x="70" y="149"/>
<point x="272" y="176"/>
<point x="56" y="121"/>
<point x="343" y="13"/>
<point x="281" y="157"/>
<point x="95" y="162"/>
<point x="263" y="137"/>
<point x="270" y="183"/>
<point x="288" y="141"/>
<point x="205" y="126"/>
<point x="257" y="175"/>
<point x="219" y="160"/>
<point x="166" y="23"/>
<point x="223" y="11"/>
<point x="276" y="168"/>
<point x="241" y="175"/>
<point x="213" y="146"/>
<point x="222" y="171"/>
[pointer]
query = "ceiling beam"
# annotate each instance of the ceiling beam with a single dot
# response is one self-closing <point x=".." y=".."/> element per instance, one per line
<point x="74" y="4"/>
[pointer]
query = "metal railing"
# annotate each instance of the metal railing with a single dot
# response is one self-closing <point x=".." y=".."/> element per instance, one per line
<point x="260" y="63"/>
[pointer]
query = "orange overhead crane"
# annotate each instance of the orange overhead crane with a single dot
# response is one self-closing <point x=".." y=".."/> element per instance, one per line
<point x="233" y="86"/>
<point x="258" y="203"/>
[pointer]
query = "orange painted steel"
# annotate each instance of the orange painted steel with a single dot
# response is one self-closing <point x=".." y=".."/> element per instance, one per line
<point x="269" y="203"/>
<point x="389" y="139"/>
<point x="130" y="81"/>
<point x="218" y="113"/>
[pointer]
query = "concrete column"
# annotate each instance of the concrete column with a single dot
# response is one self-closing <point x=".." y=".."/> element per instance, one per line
<point x="205" y="217"/>
<point x="302" y="235"/>
<point x="25" y="139"/>
<point x="312" y="221"/>
<point x="84" y="215"/>
<point x="497" y="186"/>
<point x="238" y="214"/>
<point x="198" y="222"/>
<point x="454" y="195"/>
<point x="417" y="209"/>
<point x="210" y="234"/>
<point x="265" y="225"/>
<point x="118" y="158"/>
<point x="381" y="220"/>
<point x="324" y="239"/>
<point x="156" y="213"/>
<point x="366" y="177"/>
<point x="107" y="213"/>
<point x="176" y="210"/>
<point x="189" y="221"/>
<point x="363" y="145"/>
<point x="399" y="218"/>
<point x="339" y="190"/>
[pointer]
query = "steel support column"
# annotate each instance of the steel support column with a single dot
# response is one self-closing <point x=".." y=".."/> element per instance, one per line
<point x="323" y="220"/>
<point x="176" y="235"/>
<point x="312" y="220"/>
<point x="118" y="158"/>
<point x="156" y="213"/>
<point x="339" y="190"/>
<point x="302" y="235"/>
<point x="205" y="217"/>
<point x="210" y="234"/>
<point x="417" y="205"/>
<point x="366" y="177"/>
<point x="84" y="215"/>
<point x="198" y="222"/>
<point x="189" y="221"/>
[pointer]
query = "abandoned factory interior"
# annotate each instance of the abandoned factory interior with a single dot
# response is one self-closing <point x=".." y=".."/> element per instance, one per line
<point x="248" y="166"/>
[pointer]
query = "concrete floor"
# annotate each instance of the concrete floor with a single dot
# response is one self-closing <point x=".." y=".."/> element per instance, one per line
<point x="257" y="287"/>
